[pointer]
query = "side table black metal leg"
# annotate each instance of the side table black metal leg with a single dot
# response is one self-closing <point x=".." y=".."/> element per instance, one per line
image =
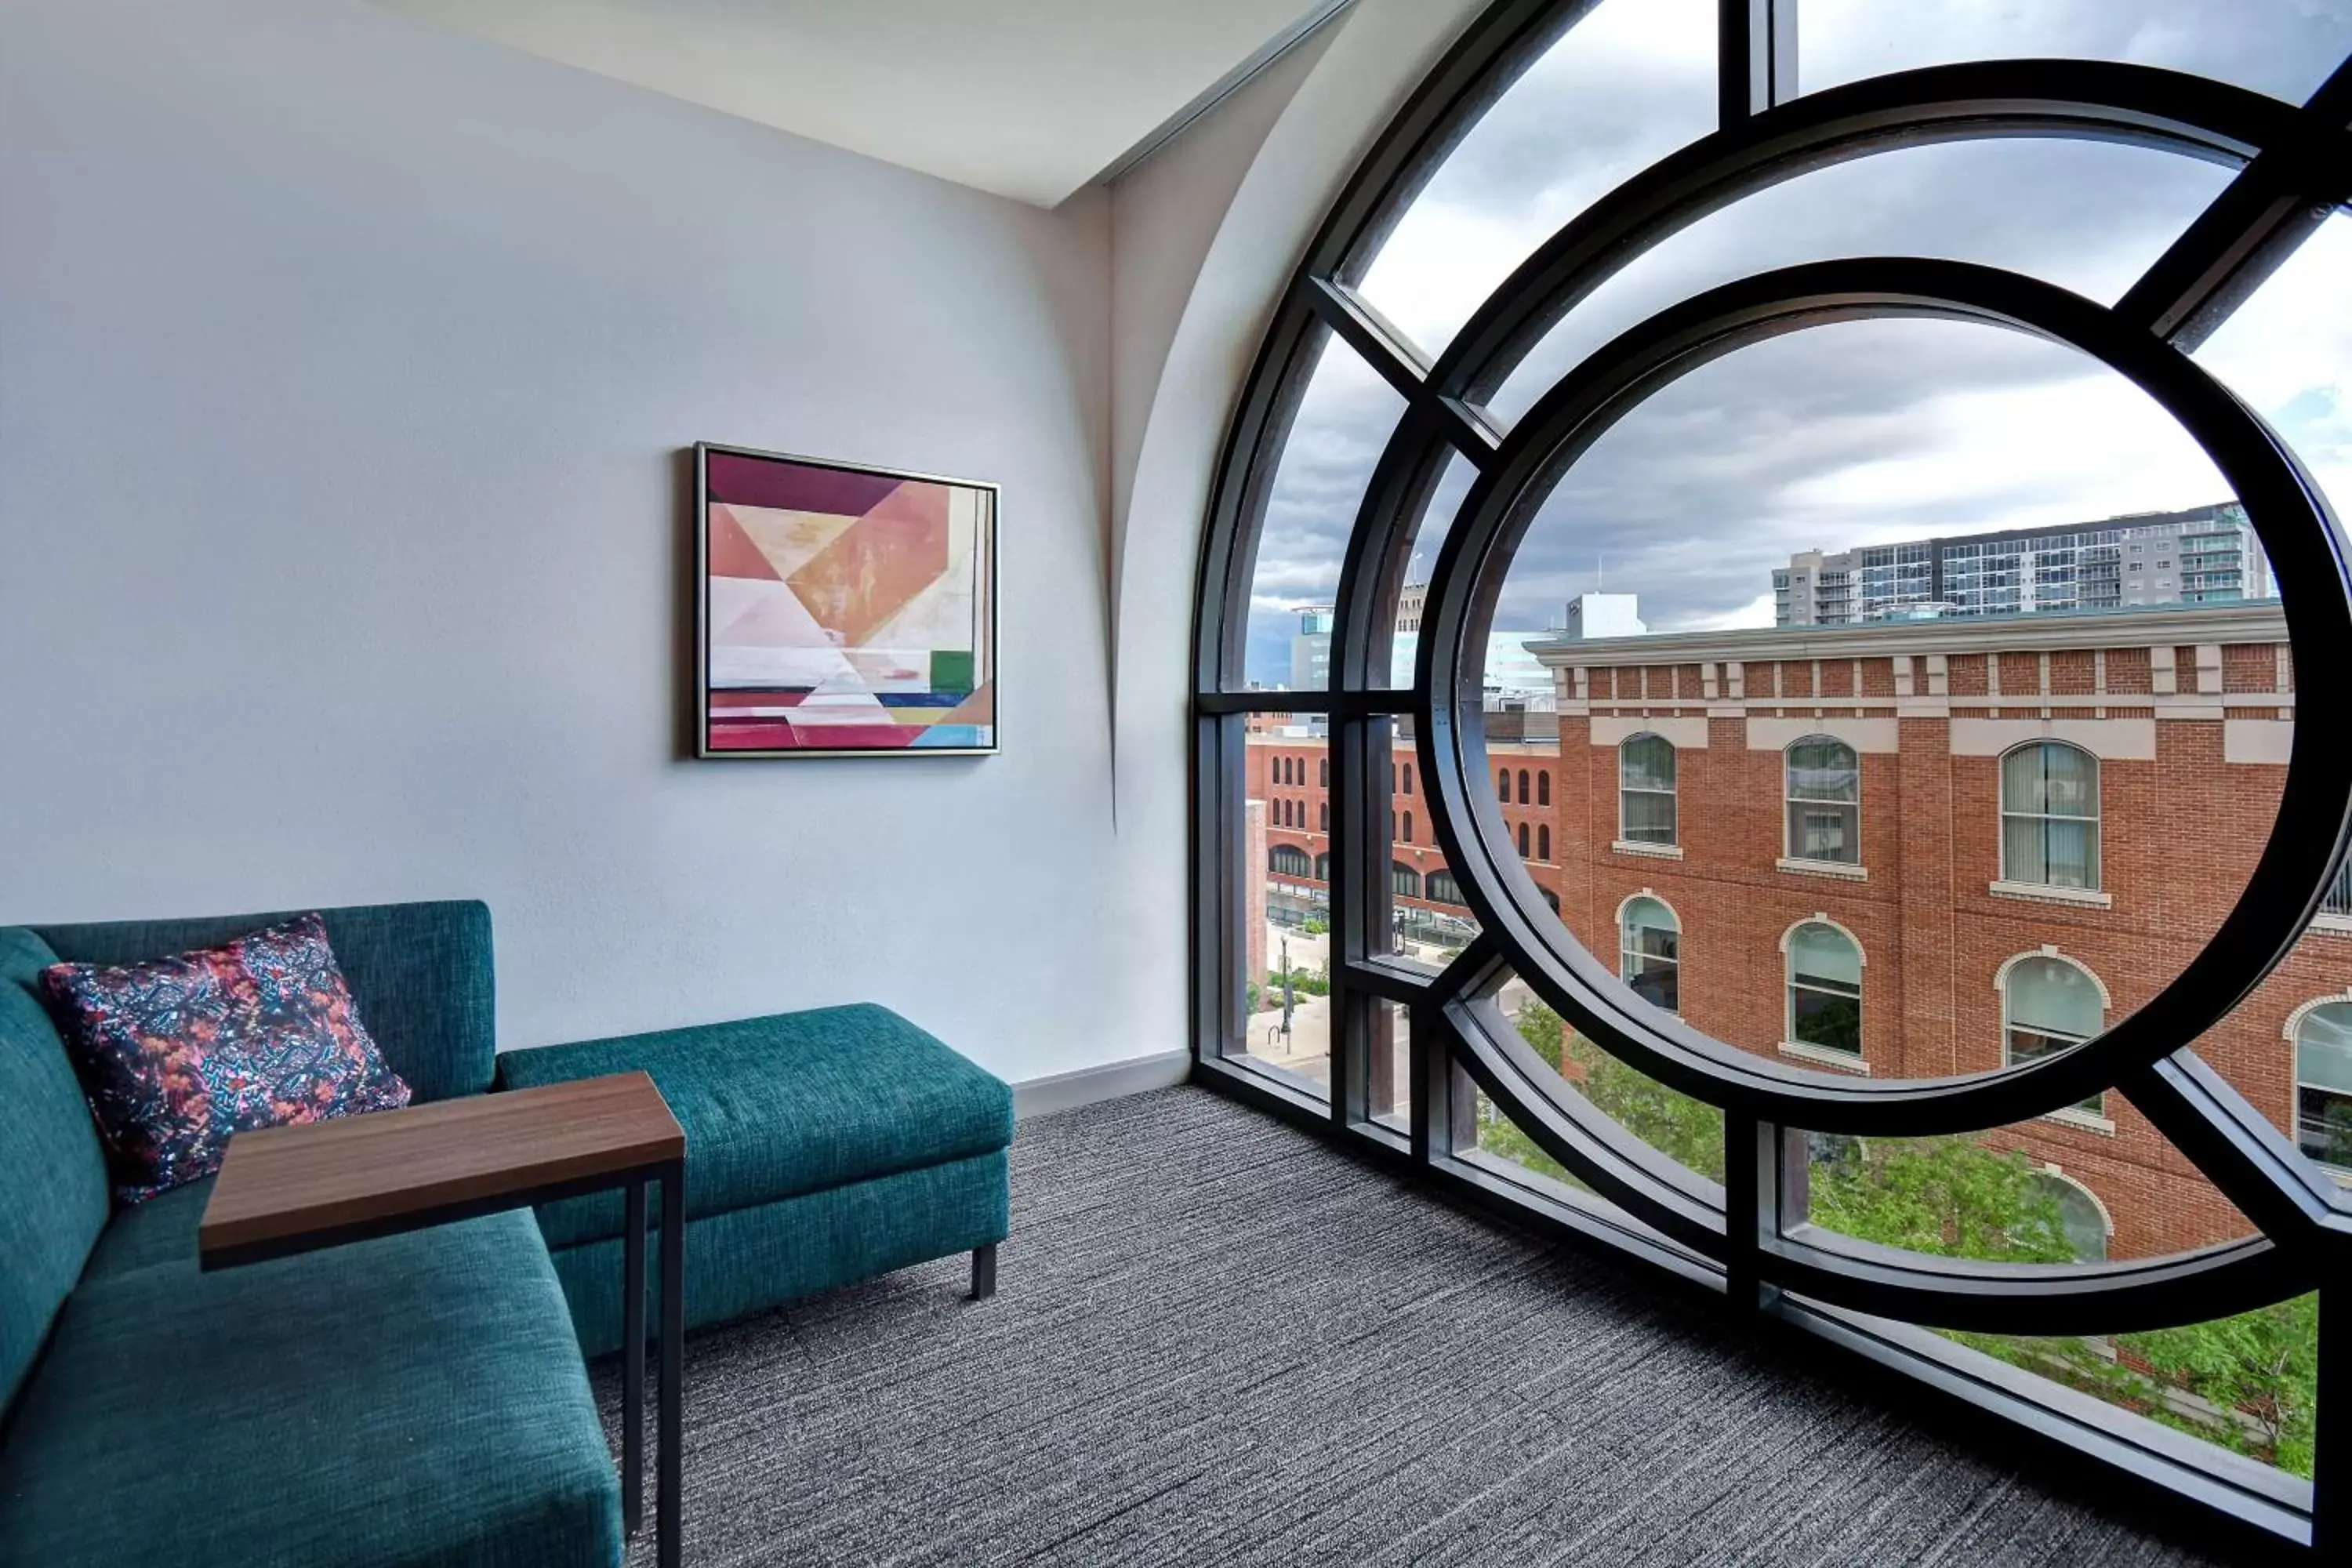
<point x="673" y="1358"/>
<point x="632" y="1358"/>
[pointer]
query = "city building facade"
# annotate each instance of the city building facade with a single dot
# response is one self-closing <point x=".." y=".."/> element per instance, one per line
<point x="2206" y="555"/>
<point x="1911" y="850"/>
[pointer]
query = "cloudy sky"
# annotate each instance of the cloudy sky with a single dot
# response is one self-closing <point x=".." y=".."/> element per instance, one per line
<point x="1845" y="435"/>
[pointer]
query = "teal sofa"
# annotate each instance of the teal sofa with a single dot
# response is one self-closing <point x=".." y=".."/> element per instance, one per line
<point x="422" y="1400"/>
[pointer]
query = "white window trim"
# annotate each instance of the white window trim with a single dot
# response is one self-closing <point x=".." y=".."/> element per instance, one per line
<point x="2007" y="887"/>
<point x="2049" y="893"/>
<point x="1675" y="852"/>
<point x="2334" y="925"/>
<point x="1852" y="870"/>
<point x="2291" y="1031"/>
<point x="2075" y="1116"/>
<point x="1835" y="868"/>
<point x="1651" y="847"/>
<point x="1825" y="1056"/>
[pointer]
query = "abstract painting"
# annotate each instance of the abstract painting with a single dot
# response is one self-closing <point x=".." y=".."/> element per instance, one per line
<point x="845" y="611"/>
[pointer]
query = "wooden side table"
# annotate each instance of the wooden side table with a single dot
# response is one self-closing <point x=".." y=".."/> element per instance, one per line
<point x="284" y="1190"/>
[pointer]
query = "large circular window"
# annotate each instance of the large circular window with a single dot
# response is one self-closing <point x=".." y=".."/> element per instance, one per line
<point x="1757" y="650"/>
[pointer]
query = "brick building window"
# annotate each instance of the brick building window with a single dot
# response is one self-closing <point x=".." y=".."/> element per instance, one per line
<point x="1645" y="790"/>
<point x="1290" y="861"/>
<point x="2323" y="1084"/>
<point x="2338" y="902"/>
<point x="2049" y="1004"/>
<point x="1407" y="827"/>
<point x="2079" y="1214"/>
<point x="2050" y="816"/>
<point x="1323" y="816"/>
<point x="1442" y="890"/>
<point x="1503" y="785"/>
<point x="1322" y="868"/>
<point x="1524" y="797"/>
<point x="1323" y="771"/>
<point x="1524" y="851"/>
<point x="1408" y="778"/>
<point x="1649" y="952"/>
<point x="1404" y="879"/>
<point x="1543" y="841"/>
<point x="1824" y="988"/>
<point x="1543" y="789"/>
<point x="1825" y="801"/>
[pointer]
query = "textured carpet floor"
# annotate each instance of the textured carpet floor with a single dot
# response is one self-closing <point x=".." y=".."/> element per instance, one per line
<point x="1217" y="1341"/>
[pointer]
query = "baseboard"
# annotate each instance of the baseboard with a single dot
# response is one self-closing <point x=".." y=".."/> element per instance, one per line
<point x="1069" y="1090"/>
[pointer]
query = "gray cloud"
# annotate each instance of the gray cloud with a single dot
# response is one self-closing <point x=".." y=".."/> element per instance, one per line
<point x="1696" y="495"/>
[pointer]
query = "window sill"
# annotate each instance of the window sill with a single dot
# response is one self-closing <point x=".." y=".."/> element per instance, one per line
<point x="1675" y="852"/>
<point x="1826" y="1056"/>
<point x="1836" y="869"/>
<point x="2332" y="925"/>
<point x="2072" y="1116"/>
<point x="2043" y="893"/>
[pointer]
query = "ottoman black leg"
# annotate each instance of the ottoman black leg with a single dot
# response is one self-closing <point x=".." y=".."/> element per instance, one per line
<point x="983" y="1272"/>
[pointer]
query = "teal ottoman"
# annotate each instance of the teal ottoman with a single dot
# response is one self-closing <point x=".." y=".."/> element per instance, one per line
<point x="821" y="1148"/>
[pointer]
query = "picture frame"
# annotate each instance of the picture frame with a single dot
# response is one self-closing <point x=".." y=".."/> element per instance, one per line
<point x="842" y="610"/>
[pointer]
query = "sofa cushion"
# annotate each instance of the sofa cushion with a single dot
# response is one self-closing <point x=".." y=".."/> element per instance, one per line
<point x="781" y="1105"/>
<point x="53" y="1198"/>
<point x="413" y="1400"/>
<point x="420" y="972"/>
<point x="178" y="1053"/>
<point x="747" y="1260"/>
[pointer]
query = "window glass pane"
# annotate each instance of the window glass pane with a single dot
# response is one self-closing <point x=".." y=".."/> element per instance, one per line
<point x="2053" y="996"/>
<point x="1649" y="762"/>
<point x="2288" y="353"/>
<point x="1388" y="1081"/>
<point x="1686" y="1130"/>
<point x="2322" y="1119"/>
<point x="2047" y="1193"/>
<point x="1285" y="918"/>
<point x="1823" y="770"/>
<point x="2087" y="216"/>
<point x="1343" y="421"/>
<point x="1630" y="81"/>
<point x="1428" y="923"/>
<point x="1650" y="959"/>
<point x="2279" y="47"/>
<point x="1824" y="955"/>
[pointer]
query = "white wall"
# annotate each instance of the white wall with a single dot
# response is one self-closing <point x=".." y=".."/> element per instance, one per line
<point x="345" y="368"/>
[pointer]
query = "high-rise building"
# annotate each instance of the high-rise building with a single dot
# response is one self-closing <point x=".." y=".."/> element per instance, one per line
<point x="2205" y="555"/>
<point x="1311" y="648"/>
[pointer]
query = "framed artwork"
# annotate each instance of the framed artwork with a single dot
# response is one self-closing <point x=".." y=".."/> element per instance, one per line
<point x="844" y="611"/>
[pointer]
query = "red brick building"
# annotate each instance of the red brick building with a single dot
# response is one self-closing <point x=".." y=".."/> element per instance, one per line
<point x="2001" y="835"/>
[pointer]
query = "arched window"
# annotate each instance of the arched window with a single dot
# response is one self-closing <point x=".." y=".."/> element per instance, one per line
<point x="2323" y="1084"/>
<point x="1649" y="952"/>
<point x="1323" y="867"/>
<point x="1323" y="771"/>
<point x="1408" y="778"/>
<point x="1323" y="816"/>
<point x="1403" y="881"/>
<point x="2050" y="816"/>
<point x="1503" y="785"/>
<point x="1824" y="988"/>
<point x="1523" y="786"/>
<point x="1645" y="790"/>
<point x="1523" y="842"/>
<point x="1825" y="801"/>
<point x="2080" y="1214"/>
<point x="1290" y="861"/>
<point x="2049" y="1004"/>
<point x="1442" y="890"/>
<point x="1543" y="841"/>
<point x="1543" y="788"/>
<point x="1407" y="827"/>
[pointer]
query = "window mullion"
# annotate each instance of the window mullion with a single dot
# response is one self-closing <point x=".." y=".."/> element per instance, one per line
<point x="1758" y="63"/>
<point x="2278" y="201"/>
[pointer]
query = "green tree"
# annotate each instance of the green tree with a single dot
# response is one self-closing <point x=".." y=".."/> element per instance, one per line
<point x="2248" y="1383"/>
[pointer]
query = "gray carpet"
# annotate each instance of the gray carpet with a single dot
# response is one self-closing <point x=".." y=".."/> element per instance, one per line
<point x="1217" y="1341"/>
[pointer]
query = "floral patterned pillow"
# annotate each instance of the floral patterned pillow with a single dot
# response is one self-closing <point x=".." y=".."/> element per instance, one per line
<point x="177" y="1053"/>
